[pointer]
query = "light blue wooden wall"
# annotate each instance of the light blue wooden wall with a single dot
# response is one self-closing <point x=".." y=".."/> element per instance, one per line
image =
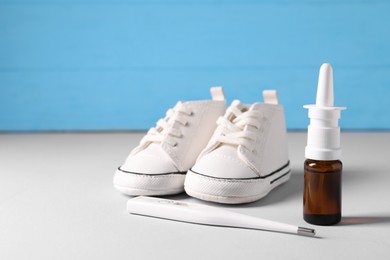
<point x="101" y="65"/>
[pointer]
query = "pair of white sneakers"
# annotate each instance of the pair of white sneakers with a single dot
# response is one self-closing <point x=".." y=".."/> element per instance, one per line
<point x="234" y="155"/>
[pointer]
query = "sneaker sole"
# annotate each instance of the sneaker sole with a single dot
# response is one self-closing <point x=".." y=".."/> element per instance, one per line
<point x="137" y="184"/>
<point x="234" y="191"/>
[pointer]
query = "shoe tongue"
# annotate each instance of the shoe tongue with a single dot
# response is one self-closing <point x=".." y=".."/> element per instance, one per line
<point x="241" y="107"/>
<point x="229" y="149"/>
<point x="255" y="106"/>
<point x="237" y="104"/>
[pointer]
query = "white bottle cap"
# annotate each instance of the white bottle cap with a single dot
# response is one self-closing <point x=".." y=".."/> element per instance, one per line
<point x="323" y="135"/>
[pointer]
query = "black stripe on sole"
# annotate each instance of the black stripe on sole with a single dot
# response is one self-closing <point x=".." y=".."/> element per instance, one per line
<point x="139" y="173"/>
<point x="254" y="178"/>
<point x="281" y="176"/>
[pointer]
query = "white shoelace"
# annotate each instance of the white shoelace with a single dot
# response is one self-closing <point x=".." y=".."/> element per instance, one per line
<point x="241" y="129"/>
<point x="168" y="128"/>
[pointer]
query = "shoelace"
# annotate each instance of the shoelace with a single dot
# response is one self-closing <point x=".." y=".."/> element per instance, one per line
<point x="167" y="129"/>
<point x="236" y="131"/>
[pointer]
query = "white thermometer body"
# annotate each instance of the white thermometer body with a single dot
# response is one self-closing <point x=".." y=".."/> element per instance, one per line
<point x="206" y="215"/>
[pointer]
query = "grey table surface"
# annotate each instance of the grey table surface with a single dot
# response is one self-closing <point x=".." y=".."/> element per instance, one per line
<point x="57" y="202"/>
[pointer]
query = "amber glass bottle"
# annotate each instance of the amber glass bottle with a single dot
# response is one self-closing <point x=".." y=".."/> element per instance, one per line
<point x="322" y="192"/>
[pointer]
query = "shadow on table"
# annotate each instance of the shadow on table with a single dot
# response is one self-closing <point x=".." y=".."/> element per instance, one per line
<point x="360" y="174"/>
<point x="363" y="220"/>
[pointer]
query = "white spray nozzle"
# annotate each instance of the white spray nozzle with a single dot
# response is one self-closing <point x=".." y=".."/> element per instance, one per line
<point x="323" y="139"/>
<point x="325" y="96"/>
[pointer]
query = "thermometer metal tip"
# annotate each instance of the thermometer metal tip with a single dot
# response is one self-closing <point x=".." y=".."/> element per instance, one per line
<point x="306" y="232"/>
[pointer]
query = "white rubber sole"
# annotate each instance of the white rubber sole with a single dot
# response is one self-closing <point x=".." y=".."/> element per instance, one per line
<point x="135" y="184"/>
<point x="233" y="191"/>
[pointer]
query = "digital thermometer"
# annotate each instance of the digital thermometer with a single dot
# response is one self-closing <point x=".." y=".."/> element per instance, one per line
<point x="206" y="215"/>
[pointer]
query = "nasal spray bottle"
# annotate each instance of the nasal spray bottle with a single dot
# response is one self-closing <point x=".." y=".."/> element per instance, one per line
<point x="322" y="184"/>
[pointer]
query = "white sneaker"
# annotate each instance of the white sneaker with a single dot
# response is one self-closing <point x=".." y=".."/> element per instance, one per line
<point x="159" y="164"/>
<point x="247" y="156"/>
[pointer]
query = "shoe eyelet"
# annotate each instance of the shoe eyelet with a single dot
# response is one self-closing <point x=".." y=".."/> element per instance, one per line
<point x="175" y="144"/>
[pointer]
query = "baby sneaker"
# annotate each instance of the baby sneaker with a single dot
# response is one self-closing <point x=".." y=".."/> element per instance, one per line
<point x="246" y="157"/>
<point x="159" y="164"/>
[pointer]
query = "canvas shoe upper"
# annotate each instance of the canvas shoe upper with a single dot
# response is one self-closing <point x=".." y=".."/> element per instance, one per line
<point x="246" y="157"/>
<point x="159" y="164"/>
